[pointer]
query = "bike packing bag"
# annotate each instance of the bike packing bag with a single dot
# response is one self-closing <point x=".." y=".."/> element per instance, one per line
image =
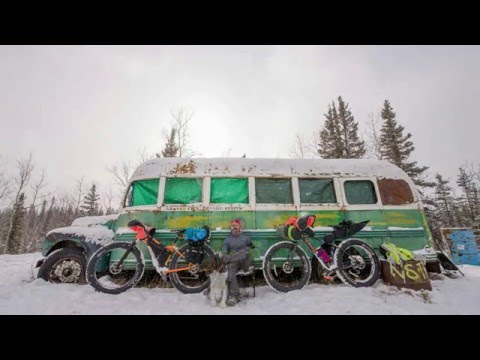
<point x="395" y="254"/>
<point x="196" y="239"/>
<point x="196" y="234"/>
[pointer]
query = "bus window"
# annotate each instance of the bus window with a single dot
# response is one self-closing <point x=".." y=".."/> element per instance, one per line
<point x="360" y="192"/>
<point x="229" y="191"/>
<point x="183" y="191"/>
<point x="314" y="191"/>
<point x="273" y="191"/>
<point x="395" y="192"/>
<point x="143" y="192"/>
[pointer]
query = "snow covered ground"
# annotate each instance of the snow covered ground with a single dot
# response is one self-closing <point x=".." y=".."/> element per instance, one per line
<point x="21" y="294"/>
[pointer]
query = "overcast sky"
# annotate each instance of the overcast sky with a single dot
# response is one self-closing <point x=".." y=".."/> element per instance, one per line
<point x="79" y="109"/>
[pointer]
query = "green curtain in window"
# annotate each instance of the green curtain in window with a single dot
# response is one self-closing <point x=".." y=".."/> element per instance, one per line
<point x="228" y="191"/>
<point x="273" y="191"/>
<point x="360" y="192"/>
<point x="313" y="191"/>
<point x="183" y="191"/>
<point x="145" y="192"/>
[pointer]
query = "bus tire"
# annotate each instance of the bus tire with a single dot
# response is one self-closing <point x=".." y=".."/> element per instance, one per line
<point x="64" y="265"/>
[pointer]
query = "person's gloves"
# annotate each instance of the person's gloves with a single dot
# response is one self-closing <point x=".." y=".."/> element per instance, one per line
<point x="225" y="259"/>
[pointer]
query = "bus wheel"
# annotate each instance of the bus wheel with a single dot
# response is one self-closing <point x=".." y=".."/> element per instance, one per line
<point x="65" y="265"/>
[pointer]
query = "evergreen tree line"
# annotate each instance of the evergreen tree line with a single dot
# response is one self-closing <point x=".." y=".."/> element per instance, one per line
<point x="23" y="225"/>
<point x="339" y="138"/>
<point x="449" y="209"/>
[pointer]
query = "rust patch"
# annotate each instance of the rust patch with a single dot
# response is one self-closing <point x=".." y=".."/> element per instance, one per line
<point x="189" y="168"/>
<point x="395" y="192"/>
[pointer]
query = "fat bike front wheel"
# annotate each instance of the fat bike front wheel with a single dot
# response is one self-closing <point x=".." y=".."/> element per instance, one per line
<point x="107" y="275"/>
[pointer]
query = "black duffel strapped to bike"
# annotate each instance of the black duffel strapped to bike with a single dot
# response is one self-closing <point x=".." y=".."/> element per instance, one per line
<point x="344" y="229"/>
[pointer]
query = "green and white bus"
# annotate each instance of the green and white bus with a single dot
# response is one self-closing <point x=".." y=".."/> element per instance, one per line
<point x="176" y="193"/>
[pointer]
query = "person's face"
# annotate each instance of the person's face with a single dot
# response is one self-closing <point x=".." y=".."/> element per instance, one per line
<point x="235" y="227"/>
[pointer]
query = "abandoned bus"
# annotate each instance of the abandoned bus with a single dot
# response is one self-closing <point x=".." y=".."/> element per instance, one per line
<point x="176" y="193"/>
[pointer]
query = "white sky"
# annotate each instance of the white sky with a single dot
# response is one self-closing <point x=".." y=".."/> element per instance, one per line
<point x="79" y="109"/>
<point x="20" y="294"/>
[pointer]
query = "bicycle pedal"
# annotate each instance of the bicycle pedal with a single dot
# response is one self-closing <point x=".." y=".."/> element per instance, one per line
<point x="328" y="278"/>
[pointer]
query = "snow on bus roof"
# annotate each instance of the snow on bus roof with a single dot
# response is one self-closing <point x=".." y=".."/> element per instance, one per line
<point x="183" y="167"/>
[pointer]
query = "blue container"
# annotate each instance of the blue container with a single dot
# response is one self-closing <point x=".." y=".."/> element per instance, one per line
<point x="463" y="246"/>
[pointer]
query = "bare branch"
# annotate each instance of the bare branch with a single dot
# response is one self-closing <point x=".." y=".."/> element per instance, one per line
<point x="143" y="156"/>
<point x="25" y="169"/>
<point x="79" y="192"/>
<point x="181" y="118"/>
<point x="227" y="153"/>
<point x="299" y="149"/>
<point x="4" y="185"/>
<point x="108" y="201"/>
<point x="373" y="138"/>
<point x="121" y="175"/>
<point x="37" y="187"/>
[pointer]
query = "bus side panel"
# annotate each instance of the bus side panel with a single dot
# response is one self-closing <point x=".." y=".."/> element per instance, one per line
<point x="405" y="228"/>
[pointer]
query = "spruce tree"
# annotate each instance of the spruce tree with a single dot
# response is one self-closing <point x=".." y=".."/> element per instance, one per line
<point x="396" y="147"/>
<point x="171" y="147"/>
<point x="17" y="225"/>
<point x="90" y="205"/>
<point x="352" y="146"/>
<point x="444" y="202"/>
<point x="330" y="146"/>
<point x="470" y="199"/>
<point x="339" y="136"/>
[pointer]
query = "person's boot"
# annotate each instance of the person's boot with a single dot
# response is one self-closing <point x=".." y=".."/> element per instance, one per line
<point x="231" y="301"/>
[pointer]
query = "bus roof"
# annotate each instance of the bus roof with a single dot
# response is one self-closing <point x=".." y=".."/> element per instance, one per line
<point x="242" y="167"/>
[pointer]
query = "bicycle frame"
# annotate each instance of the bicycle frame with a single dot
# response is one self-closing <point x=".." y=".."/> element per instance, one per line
<point x="143" y="237"/>
<point x="329" y="268"/>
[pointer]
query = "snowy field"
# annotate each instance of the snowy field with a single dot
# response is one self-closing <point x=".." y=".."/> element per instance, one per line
<point x="21" y="294"/>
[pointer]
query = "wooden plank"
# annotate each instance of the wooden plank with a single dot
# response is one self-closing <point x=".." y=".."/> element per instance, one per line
<point x="410" y="274"/>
